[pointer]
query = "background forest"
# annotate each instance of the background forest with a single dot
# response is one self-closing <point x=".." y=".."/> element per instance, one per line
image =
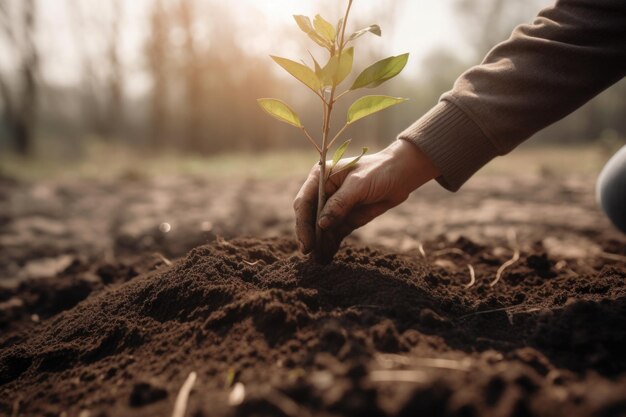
<point x="183" y="75"/>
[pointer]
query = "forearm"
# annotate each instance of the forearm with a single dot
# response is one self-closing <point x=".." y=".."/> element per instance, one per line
<point x="545" y="71"/>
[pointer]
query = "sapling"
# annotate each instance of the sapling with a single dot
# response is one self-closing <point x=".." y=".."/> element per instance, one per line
<point x="324" y="82"/>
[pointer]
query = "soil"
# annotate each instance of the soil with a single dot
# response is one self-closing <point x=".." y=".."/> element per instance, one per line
<point x="391" y="328"/>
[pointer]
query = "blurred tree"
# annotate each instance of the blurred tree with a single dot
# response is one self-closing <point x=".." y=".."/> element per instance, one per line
<point x="102" y="73"/>
<point x="115" y="83"/>
<point x="194" y="82"/>
<point x="20" y="103"/>
<point x="157" y="59"/>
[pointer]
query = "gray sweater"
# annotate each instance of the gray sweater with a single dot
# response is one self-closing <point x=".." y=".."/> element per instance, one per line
<point x="544" y="71"/>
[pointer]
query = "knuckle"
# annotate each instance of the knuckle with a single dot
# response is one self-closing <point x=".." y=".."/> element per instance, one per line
<point x="297" y="203"/>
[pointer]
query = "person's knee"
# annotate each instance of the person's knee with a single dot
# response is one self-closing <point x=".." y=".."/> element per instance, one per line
<point x="611" y="189"/>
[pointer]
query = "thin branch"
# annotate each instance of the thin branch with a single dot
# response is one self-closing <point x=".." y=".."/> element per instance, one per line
<point x="330" y="144"/>
<point x="311" y="140"/>
<point x="180" y="406"/>
<point x="472" y="276"/>
<point x="341" y="95"/>
<point x="343" y="28"/>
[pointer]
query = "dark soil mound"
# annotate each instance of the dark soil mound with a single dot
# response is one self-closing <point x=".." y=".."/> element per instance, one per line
<point x="373" y="334"/>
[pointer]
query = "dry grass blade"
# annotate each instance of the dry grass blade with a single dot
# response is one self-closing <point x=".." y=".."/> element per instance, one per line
<point x="472" y="276"/>
<point x="163" y="259"/>
<point x="517" y="309"/>
<point x="237" y="395"/>
<point x="180" y="406"/>
<point x="612" y="256"/>
<point x="420" y="248"/>
<point x="398" y="376"/>
<point x="513" y="260"/>
<point x="388" y="360"/>
<point x="449" y="251"/>
<point x="222" y="242"/>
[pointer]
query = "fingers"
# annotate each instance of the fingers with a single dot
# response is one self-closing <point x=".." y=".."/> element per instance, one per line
<point x="357" y="218"/>
<point x="365" y="214"/>
<point x="305" y="207"/>
<point x="339" y="205"/>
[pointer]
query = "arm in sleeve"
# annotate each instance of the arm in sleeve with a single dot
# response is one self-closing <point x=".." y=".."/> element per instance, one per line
<point x="543" y="72"/>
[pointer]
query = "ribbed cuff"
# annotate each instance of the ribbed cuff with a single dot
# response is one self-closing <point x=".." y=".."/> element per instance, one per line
<point x="453" y="142"/>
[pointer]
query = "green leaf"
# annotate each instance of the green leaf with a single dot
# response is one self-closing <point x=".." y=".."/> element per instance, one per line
<point x="352" y="163"/>
<point x="318" y="68"/>
<point x="336" y="70"/>
<point x="340" y="151"/>
<point x="367" y="105"/>
<point x="375" y="29"/>
<point x="378" y="73"/>
<point x="304" y="23"/>
<point x="300" y="72"/>
<point x="324" y="28"/>
<point x="280" y="111"/>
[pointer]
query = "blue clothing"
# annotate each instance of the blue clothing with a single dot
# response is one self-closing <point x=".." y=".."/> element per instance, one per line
<point x="611" y="189"/>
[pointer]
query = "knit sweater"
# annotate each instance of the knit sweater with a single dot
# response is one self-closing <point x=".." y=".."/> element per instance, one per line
<point x="544" y="71"/>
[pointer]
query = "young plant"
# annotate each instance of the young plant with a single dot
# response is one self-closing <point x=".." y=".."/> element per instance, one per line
<point x="324" y="82"/>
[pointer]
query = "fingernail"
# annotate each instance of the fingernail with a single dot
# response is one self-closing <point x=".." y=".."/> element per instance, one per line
<point x="324" y="222"/>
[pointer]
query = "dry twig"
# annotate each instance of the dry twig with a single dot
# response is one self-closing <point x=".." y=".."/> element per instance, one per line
<point x="421" y="250"/>
<point x="389" y="359"/>
<point x="414" y="376"/>
<point x="472" y="276"/>
<point x="508" y="310"/>
<point x="180" y="406"/>
<point x="449" y="251"/>
<point x="513" y="260"/>
<point x="163" y="258"/>
<point x="612" y="256"/>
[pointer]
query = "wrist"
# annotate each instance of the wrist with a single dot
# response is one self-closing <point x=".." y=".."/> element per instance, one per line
<point x="415" y="165"/>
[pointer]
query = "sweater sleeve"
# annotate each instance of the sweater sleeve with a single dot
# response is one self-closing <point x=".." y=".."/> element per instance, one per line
<point x="543" y="72"/>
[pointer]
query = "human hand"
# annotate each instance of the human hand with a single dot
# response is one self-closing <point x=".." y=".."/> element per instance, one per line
<point x="377" y="183"/>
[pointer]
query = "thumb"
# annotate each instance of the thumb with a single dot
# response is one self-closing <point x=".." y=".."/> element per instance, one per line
<point x="338" y="207"/>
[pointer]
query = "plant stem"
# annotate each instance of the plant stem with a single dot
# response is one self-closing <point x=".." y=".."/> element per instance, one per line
<point x="341" y="95"/>
<point x="311" y="140"/>
<point x="330" y="144"/>
<point x="328" y="108"/>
